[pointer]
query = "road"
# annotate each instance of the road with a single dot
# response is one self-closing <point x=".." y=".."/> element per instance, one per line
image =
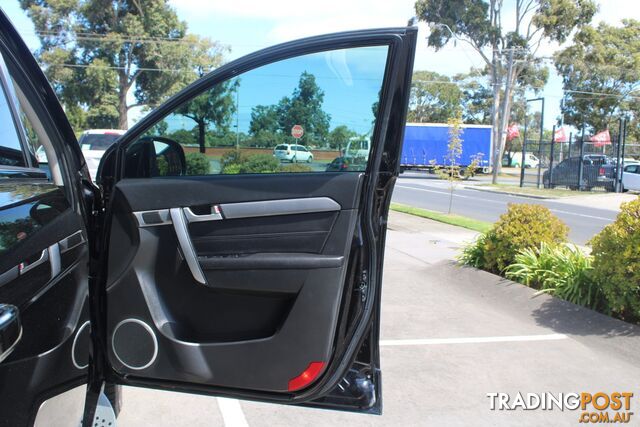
<point x="423" y="191"/>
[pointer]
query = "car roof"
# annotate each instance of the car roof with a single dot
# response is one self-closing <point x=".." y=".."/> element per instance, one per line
<point x="104" y="132"/>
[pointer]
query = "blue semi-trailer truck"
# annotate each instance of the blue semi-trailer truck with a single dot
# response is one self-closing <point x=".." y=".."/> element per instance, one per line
<point x="425" y="146"/>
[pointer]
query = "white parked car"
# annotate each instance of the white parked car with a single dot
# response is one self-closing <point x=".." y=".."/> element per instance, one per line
<point x="292" y="153"/>
<point x="631" y="177"/>
<point x="94" y="142"/>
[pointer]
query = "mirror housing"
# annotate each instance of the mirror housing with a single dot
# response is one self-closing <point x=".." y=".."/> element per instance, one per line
<point x="154" y="156"/>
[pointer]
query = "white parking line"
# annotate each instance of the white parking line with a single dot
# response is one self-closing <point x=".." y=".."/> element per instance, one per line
<point x="473" y="340"/>
<point x="232" y="412"/>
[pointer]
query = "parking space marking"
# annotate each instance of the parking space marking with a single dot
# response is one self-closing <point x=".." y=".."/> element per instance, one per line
<point x="231" y="412"/>
<point x="473" y="340"/>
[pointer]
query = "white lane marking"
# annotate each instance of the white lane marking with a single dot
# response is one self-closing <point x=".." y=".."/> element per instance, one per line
<point x="583" y="215"/>
<point x="504" y="203"/>
<point x="454" y="194"/>
<point x="232" y="412"/>
<point x="473" y="340"/>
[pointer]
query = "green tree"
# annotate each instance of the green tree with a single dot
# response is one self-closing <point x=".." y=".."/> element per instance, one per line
<point x="507" y="48"/>
<point x="304" y="108"/>
<point x="602" y="60"/>
<point x="434" y="98"/>
<point x="95" y="52"/>
<point x="476" y="97"/>
<point x="213" y="107"/>
<point x="339" y="137"/>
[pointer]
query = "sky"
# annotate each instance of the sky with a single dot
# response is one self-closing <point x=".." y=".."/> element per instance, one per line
<point x="249" y="25"/>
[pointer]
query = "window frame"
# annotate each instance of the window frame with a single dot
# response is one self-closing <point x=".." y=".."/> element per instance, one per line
<point x="331" y="42"/>
<point x="6" y="86"/>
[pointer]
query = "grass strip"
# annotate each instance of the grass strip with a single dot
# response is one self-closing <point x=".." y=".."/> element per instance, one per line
<point x="451" y="219"/>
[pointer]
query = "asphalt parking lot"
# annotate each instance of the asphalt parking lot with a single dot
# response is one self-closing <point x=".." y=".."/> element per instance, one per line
<point x="450" y="335"/>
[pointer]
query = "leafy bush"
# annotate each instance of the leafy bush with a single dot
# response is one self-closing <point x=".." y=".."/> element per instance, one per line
<point x="260" y="163"/>
<point x="197" y="164"/>
<point x="295" y="167"/>
<point x="233" y="162"/>
<point x="562" y="270"/>
<point x="523" y="226"/>
<point x="616" y="263"/>
<point x="473" y="253"/>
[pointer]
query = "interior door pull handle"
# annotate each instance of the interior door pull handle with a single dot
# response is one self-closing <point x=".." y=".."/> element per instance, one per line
<point x="189" y="253"/>
<point x="24" y="267"/>
<point x="216" y="215"/>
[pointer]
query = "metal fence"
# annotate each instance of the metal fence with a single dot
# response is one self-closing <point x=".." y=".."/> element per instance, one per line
<point x="576" y="164"/>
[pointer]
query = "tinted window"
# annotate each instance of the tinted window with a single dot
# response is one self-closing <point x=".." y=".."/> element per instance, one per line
<point x="234" y="126"/>
<point x="10" y="148"/>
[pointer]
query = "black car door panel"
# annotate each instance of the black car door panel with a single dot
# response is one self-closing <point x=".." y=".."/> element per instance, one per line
<point x="264" y="285"/>
<point x="274" y="272"/>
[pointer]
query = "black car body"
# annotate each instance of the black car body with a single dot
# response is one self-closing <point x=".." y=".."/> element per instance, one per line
<point x="594" y="170"/>
<point x="255" y="286"/>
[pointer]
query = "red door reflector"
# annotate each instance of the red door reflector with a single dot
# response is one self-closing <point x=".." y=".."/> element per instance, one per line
<point x="306" y="377"/>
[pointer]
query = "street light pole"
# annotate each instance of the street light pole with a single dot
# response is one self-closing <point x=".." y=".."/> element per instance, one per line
<point x="237" y="119"/>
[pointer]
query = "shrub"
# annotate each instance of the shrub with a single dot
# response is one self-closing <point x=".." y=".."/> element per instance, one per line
<point x="233" y="162"/>
<point x="473" y="253"/>
<point x="523" y="226"/>
<point x="616" y="263"/>
<point x="197" y="164"/>
<point x="295" y="167"/>
<point x="260" y="163"/>
<point x="563" y="270"/>
<point x="231" y="157"/>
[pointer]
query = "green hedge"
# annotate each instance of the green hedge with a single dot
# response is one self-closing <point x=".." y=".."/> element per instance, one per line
<point x="616" y="262"/>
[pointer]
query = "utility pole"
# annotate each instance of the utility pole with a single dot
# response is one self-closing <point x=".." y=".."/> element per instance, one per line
<point x="497" y="145"/>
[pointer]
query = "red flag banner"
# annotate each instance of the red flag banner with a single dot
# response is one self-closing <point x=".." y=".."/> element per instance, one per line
<point x="560" y="136"/>
<point x="601" y="138"/>
<point x="513" y="132"/>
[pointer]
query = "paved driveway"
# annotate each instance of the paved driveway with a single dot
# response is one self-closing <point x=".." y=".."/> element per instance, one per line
<point x="450" y="335"/>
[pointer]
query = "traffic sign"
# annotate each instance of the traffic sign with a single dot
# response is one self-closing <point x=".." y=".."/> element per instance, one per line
<point x="297" y="131"/>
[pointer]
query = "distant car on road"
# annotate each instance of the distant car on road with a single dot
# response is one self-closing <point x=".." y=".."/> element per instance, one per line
<point x="94" y="142"/>
<point x="597" y="171"/>
<point x="292" y="153"/>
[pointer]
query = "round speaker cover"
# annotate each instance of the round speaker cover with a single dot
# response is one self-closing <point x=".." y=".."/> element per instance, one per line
<point x="80" y="347"/>
<point x="134" y="344"/>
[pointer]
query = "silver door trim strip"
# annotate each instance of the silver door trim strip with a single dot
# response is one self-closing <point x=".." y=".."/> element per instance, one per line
<point x="64" y="243"/>
<point x="54" y="259"/>
<point x="278" y="207"/>
<point x="189" y="253"/>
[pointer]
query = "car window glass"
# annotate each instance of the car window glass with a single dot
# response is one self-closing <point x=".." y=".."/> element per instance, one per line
<point x="243" y="125"/>
<point x="10" y="149"/>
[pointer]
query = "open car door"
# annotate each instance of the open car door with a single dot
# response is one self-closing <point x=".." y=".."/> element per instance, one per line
<point x="229" y="272"/>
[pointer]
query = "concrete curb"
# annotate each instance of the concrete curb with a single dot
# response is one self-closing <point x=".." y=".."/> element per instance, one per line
<point x="510" y="193"/>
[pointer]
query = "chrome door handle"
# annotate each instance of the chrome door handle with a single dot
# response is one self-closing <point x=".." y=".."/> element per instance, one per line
<point x="44" y="257"/>
<point x="216" y="215"/>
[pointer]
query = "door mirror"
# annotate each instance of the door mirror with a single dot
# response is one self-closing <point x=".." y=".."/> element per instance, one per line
<point x="10" y="329"/>
<point x="154" y="156"/>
